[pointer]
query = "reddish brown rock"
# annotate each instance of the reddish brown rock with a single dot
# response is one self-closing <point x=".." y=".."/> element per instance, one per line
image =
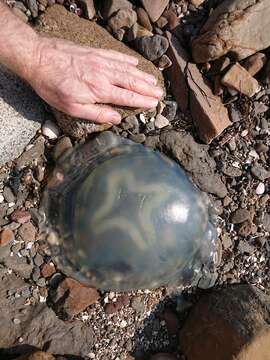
<point x="6" y="236"/>
<point x="209" y="114"/>
<point x="255" y="63"/>
<point x="21" y="216"/>
<point x="39" y="355"/>
<point x="239" y="79"/>
<point x="76" y="296"/>
<point x="154" y="8"/>
<point x="177" y="72"/>
<point x="143" y="19"/>
<point x="48" y="270"/>
<point x="239" y="27"/>
<point x="229" y="324"/>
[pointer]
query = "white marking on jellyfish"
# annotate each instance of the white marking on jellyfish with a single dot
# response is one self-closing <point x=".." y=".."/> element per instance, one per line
<point x="176" y="212"/>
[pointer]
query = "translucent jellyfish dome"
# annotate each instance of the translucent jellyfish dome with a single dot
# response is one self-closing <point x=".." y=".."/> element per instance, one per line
<point x="127" y="217"/>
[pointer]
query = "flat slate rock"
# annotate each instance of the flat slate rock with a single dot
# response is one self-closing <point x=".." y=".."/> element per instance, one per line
<point x="21" y="115"/>
<point x="60" y="23"/>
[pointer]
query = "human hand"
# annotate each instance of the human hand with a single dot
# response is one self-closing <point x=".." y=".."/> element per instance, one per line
<point x="75" y="79"/>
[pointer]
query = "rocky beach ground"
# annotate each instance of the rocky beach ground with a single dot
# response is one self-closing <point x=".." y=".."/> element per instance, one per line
<point x="214" y="121"/>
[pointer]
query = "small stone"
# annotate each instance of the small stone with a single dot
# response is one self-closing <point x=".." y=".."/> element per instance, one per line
<point x="41" y="282"/>
<point x="260" y="189"/>
<point x="61" y="147"/>
<point x="123" y="324"/>
<point x="260" y="108"/>
<point x="132" y="33"/>
<point x="161" y="121"/>
<point x="154" y="8"/>
<point x="8" y="194"/>
<point x="226" y="241"/>
<point x="50" y="130"/>
<point x="164" y="62"/>
<point x="255" y="63"/>
<point x="6" y="236"/>
<point x="88" y="8"/>
<point x="27" y="232"/>
<point x="239" y="79"/>
<point x="110" y="308"/>
<point x="138" y="138"/>
<point x="231" y="171"/>
<point x="76" y="296"/>
<point x="110" y="7"/>
<point x="21" y="216"/>
<point x="260" y="173"/>
<point x="38" y="260"/>
<point x="266" y="222"/>
<point x="1" y="198"/>
<point x="143" y="32"/>
<point x="152" y="48"/>
<point x="244" y="247"/>
<point x="48" y="270"/>
<point x="208" y="280"/>
<point x="170" y="110"/>
<point x="124" y="18"/>
<point x="33" y="7"/>
<point x="137" y="304"/>
<point x="35" y="274"/>
<point x="162" y="22"/>
<point x="33" y="153"/>
<point x="239" y="216"/>
<point x="20" y="14"/>
<point x="172" y="18"/>
<point x="261" y="148"/>
<point x="143" y="19"/>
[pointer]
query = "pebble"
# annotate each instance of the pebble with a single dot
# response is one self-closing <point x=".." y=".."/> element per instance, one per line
<point x="48" y="270"/>
<point x="61" y="147"/>
<point x="260" y="189"/>
<point x="21" y="216"/>
<point x="1" y="198"/>
<point x="8" y="194"/>
<point x="164" y="62"/>
<point x="50" y="130"/>
<point x="239" y="216"/>
<point x="260" y="173"/>
<point x="27" y="232"/>
<point x="138" y="138"/>
<point x="161" y="121"/>
<point x="6" y="236"/>
<point x="152" y="48"/>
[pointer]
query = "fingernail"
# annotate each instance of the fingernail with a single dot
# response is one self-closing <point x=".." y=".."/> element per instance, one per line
<point x="116" y="118"/>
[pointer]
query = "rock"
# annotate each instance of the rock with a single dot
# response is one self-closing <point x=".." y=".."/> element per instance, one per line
<point x="231" y="171"/>
<point x="61" y="147"/>
<point x="143" y="19"/>
<point x="143" y="32"/>
<point x="197" y="3"/>
<point x="130" y="122"/>
<point x="164" y="62"/>
<point x="177" y="72"/>
<point x="6" y="236"/>
<point x="50" y="130"/>
<point x="244" y="247"/>
<point x="154" y="8"/>
<point x="138" y="138"/>
<point x="109" y="7"/>
<point x="259" y="172"/>
<point x="239" y="216"/>
<point x="21" y="216"/>
<point x="170" y="110"/>
<point x="266" y="221"/>
<point x="39" y="327"/>
<point x="162" y="22"/>
<point x="259" y="108"/>
<point x="124" y="18"/>
<point x="88" y="8"/>
<point x="235" y="26"/>
<point x="21" y="115"/>
<point x="161" y="121"/>
<point x="48" y="270"/>
<point x="8" y="194"/>
<point x="75" y="297"/>
<point x="19" y="265"/>
<point x="33" y="7"/>
<point x="39" y="355"/>
<point x="57" y="21"/>
<point x="209" y="114"/>
<point x="33" y="153"/>
<point x="226" y="323"/>
<point x="195" y="160"/>
<point x="152" y="48"/>
<point x="27" y="232"/>
<point x="239" y="79"/>
<point x="254" y="63"/>
<point x="172" y="18"/>
<point x="163" y="356"/>
<point x="260" y="189"/>
<point x="20" y="14"/>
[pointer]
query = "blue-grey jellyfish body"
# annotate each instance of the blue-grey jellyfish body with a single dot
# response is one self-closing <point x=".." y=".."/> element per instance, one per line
<point x="128" y="217"/>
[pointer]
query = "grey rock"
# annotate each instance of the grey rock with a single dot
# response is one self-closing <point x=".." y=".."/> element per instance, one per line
<point x="170" y="110"/>
<point x="195" y="160"/>
<point x="19" y="265"/>
<point x="152" y="48"/>
<point x="33" y="7"/>
<point x="21" y="115"/>
<point x="240" y="215"/>
<point x="138" y="138"/>
<point x="260" y="173"/>
<point x="8" y="194"/>
<point x="39" y="327"/>
<point x="35" y="152"/>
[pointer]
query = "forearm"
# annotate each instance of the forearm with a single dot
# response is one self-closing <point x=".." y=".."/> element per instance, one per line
<point x="18" y="44"/>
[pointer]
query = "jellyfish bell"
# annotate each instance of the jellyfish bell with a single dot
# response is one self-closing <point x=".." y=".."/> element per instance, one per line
<point x="127" y="217"/>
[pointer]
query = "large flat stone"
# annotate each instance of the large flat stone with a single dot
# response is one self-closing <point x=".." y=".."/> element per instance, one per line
<point x="58" y="22"/>
<point x="21" y="115"/>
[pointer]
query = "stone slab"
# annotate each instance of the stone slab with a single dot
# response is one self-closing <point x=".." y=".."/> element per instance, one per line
<point x="21" y="115"/>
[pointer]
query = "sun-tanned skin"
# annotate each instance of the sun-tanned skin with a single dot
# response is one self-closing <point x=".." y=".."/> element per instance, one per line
<point x="72" y="78"/>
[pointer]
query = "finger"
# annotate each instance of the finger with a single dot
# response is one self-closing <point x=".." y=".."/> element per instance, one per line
<point x="124" y="97"/>
<point x="127" y="69"/>
<point x="97" y="113"/>
<point x="136" y="84"/>
<point x="115" y="55"/>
